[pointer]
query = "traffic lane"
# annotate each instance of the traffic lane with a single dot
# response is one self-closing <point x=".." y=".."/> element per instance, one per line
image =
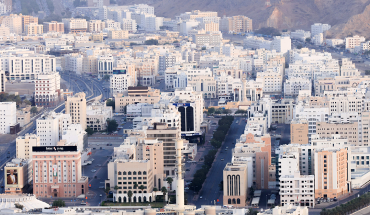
<point x="212" y="182"/>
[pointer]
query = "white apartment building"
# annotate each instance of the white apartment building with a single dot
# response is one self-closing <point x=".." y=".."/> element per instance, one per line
<point x="129" y="25"/>
<point x="120" y="83"/>
<point x="47" y="89"/>
<point x="348" y="68"/>
<point x="26" y="66"/>
<point x="286" y="209"/>
<point x="295" y="188"/>
<point x="187" y="25"/>
<point x="149" y="22"/>
<point x="8" y="113"/>
<point x="293" y="85"/>
<point x="272" y="81"/>
<point x="281" y="44"/>
<point x="75" y="25"/>
<point x="352" y="42"/>
<point x="105" y="65"/>
<point x="50" y="127"/>
<point x="208" y="39"/>
<point x="334" y="42"/>
<point x="168" y="60"/>
<point x="229" y="88"/>
<point x="25" y="144"/>
<point x="111" y="24"/>
<point x="180" y="81"/>
<point x="319" y="28"/>
<point x="97" y="115"/>
<point x="318" y="39"/>
<point x="95" y="25"/>
<point x="300" y="35"/>
<point x="254" y="42"/>
<point x="141" y="8"/>
<point x="76" y="136"/>
<point x="76" y="107"/>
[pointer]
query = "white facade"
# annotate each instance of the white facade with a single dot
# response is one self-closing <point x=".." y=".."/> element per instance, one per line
<point x="334" y="42"/>
<point x="292" y="86"/>
<point x="74" y="135"/>
<point x="97" y="115"/>
<point x="129" y="25"/>
<point x="300" y="35"/>
<point x="318" y="39"/>
<point x="281" y="44"/>
<point x="319" y="28"/>
<point x="47" y="89"/>
<point x="186" y="26"/>
<point x="272" y="80"/>
<point x="50" y="127"/>
<point x="25" y="144"/>
<point x="8" y="113"/>
<point x="120" y="83"/>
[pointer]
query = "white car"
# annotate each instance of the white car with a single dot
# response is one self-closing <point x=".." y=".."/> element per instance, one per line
<point x="93" y="170"/>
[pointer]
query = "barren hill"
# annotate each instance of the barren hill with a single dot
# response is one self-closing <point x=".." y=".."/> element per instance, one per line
<point x="352" y="16"/>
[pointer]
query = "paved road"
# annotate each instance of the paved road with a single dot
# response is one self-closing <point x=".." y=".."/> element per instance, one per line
<point x="211" y="191"/>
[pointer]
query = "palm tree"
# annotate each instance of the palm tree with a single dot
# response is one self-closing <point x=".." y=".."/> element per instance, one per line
<point x="129" y="194"/>
<point x="155" y="192"/>
<point x="169" y="180"/>
<point x="116" y="187"/>
<point x="141" y="187"/>
<point x="164" y="191"/>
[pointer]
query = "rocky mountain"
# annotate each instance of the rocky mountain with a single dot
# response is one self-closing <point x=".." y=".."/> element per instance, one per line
<point x="345" y="16"/>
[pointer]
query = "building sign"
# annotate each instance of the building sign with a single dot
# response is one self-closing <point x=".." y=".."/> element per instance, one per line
<point x="54" y="148"/>
<point x="118" y="72"/>
<point x="55" y="170"/>
<point x="182" y="104"/>
<point x="11" y="177"/>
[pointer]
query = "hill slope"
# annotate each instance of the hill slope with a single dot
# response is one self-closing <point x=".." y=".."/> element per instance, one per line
<point x="282" y="14"/>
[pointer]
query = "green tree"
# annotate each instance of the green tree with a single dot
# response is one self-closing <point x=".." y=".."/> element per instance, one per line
<point x="34" y="110"/>
<point x="135" y="186"/>
<point x="151" y="42"/>
<point x="164" y="191"/>
<point x="106" y="77"/>
<point x="155" y="190"/>
<point x="107" y="189"/>
<point x="116" y="187"/>
<point x="89" y="130"/>
<point x="112" y="125"/>
<point x="142" y="188"/>
<point x="129" y="194"/>
<point x="211" y="110"/>
<point x="169" y="181"/>
<point x="27" y="102"/>
<point x="204" y="48"/>
<point x="308" y="40"/>
<point x="59" y="203"/>
<point x="218" y="111"/>
<point x="111" y="103"/>
<point x="299" y="46"/>
<point x="19" y="206"/>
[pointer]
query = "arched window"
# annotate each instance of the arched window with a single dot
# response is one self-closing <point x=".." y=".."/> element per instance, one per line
<point x="229" y="201"/>
<point x="234" y="202"/>
<point x="144" y="173"/>
<point x="139" y="173"/>
<point x="238" y="201"/>
<point x="129" y="173"/>
<point x="124" y="173"/>
<point x="134" y="173"/>
<point x="119" y="173"/>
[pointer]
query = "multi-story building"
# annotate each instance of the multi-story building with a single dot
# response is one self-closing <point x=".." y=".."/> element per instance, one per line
<point x="26" y="20"/>
<point x="27" y="66"/>
<point x="208" y="39"/>
<point x="272" y="81"/>
<point x="236" y="24"/>
<point x="97" y="115"/>
<point x="50" y="127"/>
<point x="34" y="29"/>
<point x="74" y="135"/>
<point x="75" y="25"/>
<point x="235" y="184"/>
<point x="17" y="176"/>
<point x="352" y="42"/>
<point x="8" y="113"/>
<point x="119" y="83"/>
<point x="98" y="3"/>
<point x="53" y="26"/>
<point x="2" y="81"/>
<point x="47" y="89"/>
<point x="286" y="209"/>
<point x="14" y="23"/>
<point x="57" y="172"/>
<point x="118" y="34"/>
<point x="331" y="173"/>
<point x="129" y="25"/>
<point x="136" y="95"/>
<point x="319" y="28"/>
<point x="299" y="131"/>
<point x="76" y="107"/>
<point x="95" y="25"/>
<point x="293" y="85"/>
<point x="300" y="35"/>
<point x="25" y="144"/>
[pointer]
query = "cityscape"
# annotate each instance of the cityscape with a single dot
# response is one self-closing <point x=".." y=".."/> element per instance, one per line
<point x="111" y="108"/>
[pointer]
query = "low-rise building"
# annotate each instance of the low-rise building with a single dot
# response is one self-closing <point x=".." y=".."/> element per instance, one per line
<point x="235" y="184"/>
<point x="136" y="95"/>
<point x="17" y="176"/>
<point x="97" y="115"/>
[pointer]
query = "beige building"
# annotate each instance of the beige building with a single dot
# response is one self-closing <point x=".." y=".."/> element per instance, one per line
<point x="299" y="131"/>
<point x="236" y="24"/>
<point x="76" y="107"/>
<point x="169" y="136"/>
<point x="330" y="172"/>
<point x="347" y="131"/>
<point x="26" y="20"/>
<point x="23" y="117"/>
<point x="34" y="29"/>
<point x="235" y="185"/>
<point x="17" y="175"/>
<point x="53" y="26"/>
<point x="136" y="95"/>
<point x="117" y="34"/>
<point x="14" y="23"/>
<point x="25" y="144"/>
<point x="282" y="111"/>
<point x="96" y="25"/>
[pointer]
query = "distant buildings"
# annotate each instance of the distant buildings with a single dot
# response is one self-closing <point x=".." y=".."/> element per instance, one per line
<point x="47" y="89"/>
<point x="8" y="113"/>
<point x="76" y="107"/>
<point x="236" y="24"/>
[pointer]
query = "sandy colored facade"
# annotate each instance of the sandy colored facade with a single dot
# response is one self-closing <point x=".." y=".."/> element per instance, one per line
<point x="136" y="95"/>
<point x="235" y="185"/>
<point x="17" y="175"/>
<point x="76" y="107"/>
<point x="26" y="20"/>
<point x="118" y="34"/>
<point x="25" y="144"/>
<point x="347" y="131"/>
<point x="330" y="173"/>
<point x="299" y="132"/>
<point x="53" y="26"/>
